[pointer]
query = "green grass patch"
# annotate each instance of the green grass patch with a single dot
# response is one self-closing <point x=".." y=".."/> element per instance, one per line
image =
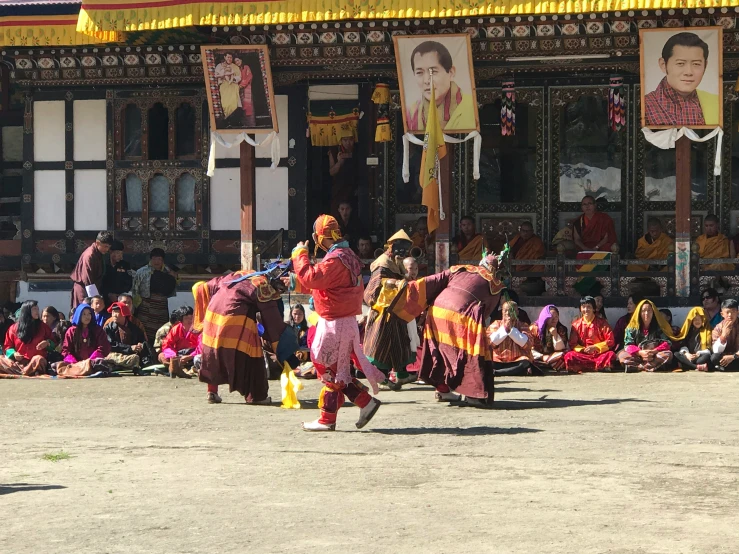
<point x="56" y="456"/>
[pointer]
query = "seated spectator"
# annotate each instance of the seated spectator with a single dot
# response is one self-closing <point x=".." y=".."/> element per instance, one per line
<point x="421" y="237"/>
<point x="174" y="318"/>
<point x="127" y="299"/>
<point x="26" y="343"/>
<point x="667" y="314"/>
<point x="51" y="317"/>
<point x="620" y="329"/>
<point x="600" y="311"/>
<point x="118" y="276"/>
<point x="152" y="286"/>
<point x="85" y="345"/>
<point x="523" y="317"/>
<point x="525" y="245"/>
<point x="647" y="340"/>
<point x="551" y="339"/>
<point x="5" y="324"/>
<point x="351" y="227"/>
<point x="299" y="325"/>
<point x="711" y="302"/>
<point x="725" y="337"/>
<point x="591" y="341"/>
<point x="127" y="344"/>
<point x="511" y="343"/>
<point x="469" y="243"/>
<point x="655" y="245"/>
<point x="180" y="346"/>
<point x="713" y="244"/>
<point x="97" y="303"/>
<point x="593" y="230"/>
<point x="695" y="352"/>
<point x="364" y="248"/>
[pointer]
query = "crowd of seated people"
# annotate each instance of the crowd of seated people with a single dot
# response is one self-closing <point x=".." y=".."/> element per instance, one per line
<point x="644" y="339"/>
<point x="95" y="340"/>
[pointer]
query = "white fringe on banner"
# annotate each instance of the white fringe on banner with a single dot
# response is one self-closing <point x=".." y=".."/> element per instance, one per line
<point x="666" y="140"/>
<point x="230" y="141"/>
<point x="477" y="146"/>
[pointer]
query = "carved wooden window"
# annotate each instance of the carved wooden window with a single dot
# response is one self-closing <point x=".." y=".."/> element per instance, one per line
<point x="157" y="164"/>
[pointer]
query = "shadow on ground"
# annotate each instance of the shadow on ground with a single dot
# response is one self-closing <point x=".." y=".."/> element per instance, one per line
<point x="459" y="431"/>
<point x="26" y="487"/>
<point x="544" y="403"/>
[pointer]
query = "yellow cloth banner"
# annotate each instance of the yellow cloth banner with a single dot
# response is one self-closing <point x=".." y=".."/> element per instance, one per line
<point x="141" y="15"/>
<point x="49" y="30"/>
<point x="434" y="149"/>
<point x="326" y="130"/>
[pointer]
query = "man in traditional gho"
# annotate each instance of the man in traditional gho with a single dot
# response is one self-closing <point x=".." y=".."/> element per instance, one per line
<point x="90" y="268"/>
<point x="386" y="341"/>
<point x="231" y="346"/>
<point x="511" y="343"/>
<point x="591" y="341"/>
<point x="336" y="286"/>
<point x="455" y="352"/>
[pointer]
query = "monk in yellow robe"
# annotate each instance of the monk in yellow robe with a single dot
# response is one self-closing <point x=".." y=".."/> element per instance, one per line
<point x="527" y="246"/>
<point x="713" y="244"/>
<point x="421" y="238"/>
<point x="655" y="245"/>
<point x="469" y="243"/>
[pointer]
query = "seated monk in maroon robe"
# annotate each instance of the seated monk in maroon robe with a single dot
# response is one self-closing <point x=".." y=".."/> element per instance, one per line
<point x="594" y="230"/>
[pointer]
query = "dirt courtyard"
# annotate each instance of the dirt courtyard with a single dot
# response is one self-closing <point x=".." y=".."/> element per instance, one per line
<point x="595" y="463"/>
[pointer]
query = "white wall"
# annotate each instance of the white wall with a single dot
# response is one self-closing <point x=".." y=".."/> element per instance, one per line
<point x="225" y="200"/>
<point x="49" y="204"/>
<point x="272" y="198"/>
<point x="90" y="200"/>
<point x="90" y="121"/>
<point x="48" y="131"/>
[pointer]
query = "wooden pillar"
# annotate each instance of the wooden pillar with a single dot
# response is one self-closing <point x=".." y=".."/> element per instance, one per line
<point x="682" y="217"/>
<point x="444" y="233"/>
<point x="248" y="206"/>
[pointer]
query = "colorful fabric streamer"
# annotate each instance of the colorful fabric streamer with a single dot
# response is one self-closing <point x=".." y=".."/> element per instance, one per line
<point x="508" y="109"/>
<point x="616" y="103"/>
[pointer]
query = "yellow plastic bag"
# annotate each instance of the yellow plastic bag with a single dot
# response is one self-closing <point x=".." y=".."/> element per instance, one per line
<point x="291" y="386"/>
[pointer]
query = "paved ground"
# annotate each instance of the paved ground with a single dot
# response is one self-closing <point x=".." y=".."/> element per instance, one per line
<point x="574" y="464"/>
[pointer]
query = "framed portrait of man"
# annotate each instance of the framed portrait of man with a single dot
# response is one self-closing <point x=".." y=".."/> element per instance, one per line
<point x="238" y="82"/>
<point x="448" y="60"/>
<point x="681" y="76"/>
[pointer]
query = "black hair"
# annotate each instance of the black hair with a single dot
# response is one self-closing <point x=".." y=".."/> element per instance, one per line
<point x="52" y="310"/>
<point x="175" y="317"/>
<point x="362" y="237"/>
<point x="117" y="245"/>
<point x="185" y="311"/>
<point x="588" y="300"/>
<point x="711" y="217"/>
<point x="105" y="237"/>
<point x="26" y="326"/>
<point x="588" y="196"/>
<point x="654" y="221"/>
<point x="667" y="313"/>
<point x="691" y="40"/>
<point x="468" y="218"/>
<point x="156" y="252"/>
<point x="124" y="294"/>
<point x="729" y="304"/>
<point x="712" y="292"/>
<point x="99" y="297"/>
<point x="86" y="300"/>
<point x="442" y="52"/>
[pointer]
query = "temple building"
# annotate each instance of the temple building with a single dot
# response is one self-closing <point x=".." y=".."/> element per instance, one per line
<point x="105" y="125"/>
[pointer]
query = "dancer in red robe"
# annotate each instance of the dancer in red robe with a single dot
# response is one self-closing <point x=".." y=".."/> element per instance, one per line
<point x="336" y="284"/>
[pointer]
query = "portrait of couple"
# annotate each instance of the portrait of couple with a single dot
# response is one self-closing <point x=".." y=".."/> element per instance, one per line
<point x="239" y="85"/>
<point x="681" y="77"/>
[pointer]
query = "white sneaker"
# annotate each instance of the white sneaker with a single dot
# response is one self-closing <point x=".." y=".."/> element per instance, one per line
<point x="447" y="397"/>
<point x="318" y="426"/>
<point x="368" y="412"/>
